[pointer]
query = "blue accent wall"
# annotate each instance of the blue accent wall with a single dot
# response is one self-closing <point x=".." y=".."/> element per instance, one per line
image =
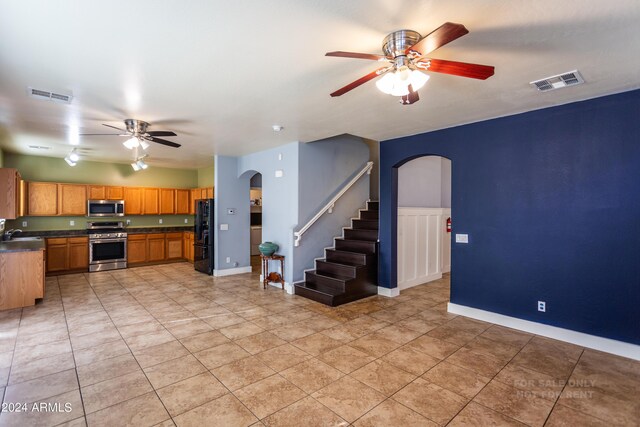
<point x="551" y="202"/>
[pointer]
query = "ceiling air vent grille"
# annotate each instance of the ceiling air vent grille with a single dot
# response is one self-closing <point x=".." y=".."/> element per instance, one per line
<point x="570" y="78"/>
<point x="50" y="96"/>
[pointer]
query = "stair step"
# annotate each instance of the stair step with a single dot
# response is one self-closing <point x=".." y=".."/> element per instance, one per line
<point x="373" y="205"/>
<point x="318" y="293"/>
<point x="328" y="280"/>
<point x="368" y="214"/>
<point x="359" y="234"/>
<point x="365" y="224"/>
<point x="353" y="258"/>
<point x="345" y="270"/>
<point x="360" y="246"/>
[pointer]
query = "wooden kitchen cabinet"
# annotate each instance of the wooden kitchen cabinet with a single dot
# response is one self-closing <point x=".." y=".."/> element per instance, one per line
<point x="150" y="201"/>
<point x="21" y="278"/>
<point x="11" y="188"/>
<point x="187" y="241"/>
<point x="96" y="192"/>
<point x="72" y="199"/>
<point x="132" y="200"/>
<point x="115" y="193"/>
<point x="182" y="202"/>
<point x="57" y="254"/>
<point x="209" y="191"/>
<point x="156" y="247"/>
<point x="167" y="201"/>
<point x="78" y="252"/>
<point x="67" y="254"/>
<point x="136" y="248"/>
<point x="174" y="246"/>
<point x="43" y="199"/>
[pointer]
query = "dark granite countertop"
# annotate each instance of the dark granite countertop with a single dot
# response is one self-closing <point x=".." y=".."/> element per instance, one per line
<point x="79" y="233"/>
<point x="22" y="246"/>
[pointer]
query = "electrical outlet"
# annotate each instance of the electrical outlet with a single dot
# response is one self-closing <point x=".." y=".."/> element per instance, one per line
<point x="462" y="238"/>
<point x="128" y="221"/>
<point x="72" y="223"/>
<point x="160" y="221"/>
<point x="224" y="227"/>
<point x="279" y="173"/>
<point x="24" y="223"/>
<point x="186" y="221"/>
<point x="228" y="260"/>
<point x="542" y="306"/>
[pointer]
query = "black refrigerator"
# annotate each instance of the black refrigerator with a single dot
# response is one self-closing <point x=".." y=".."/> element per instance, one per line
<point x="203" y="236"/>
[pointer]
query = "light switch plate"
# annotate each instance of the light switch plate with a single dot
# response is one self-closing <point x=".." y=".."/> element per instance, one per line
<point x="72" y="223"/>
<point x="279" y="173"/>
<point x="224" y="227"/>
<point x="186" y="221"/>
<point x="160" y="221"/>
<point x="462" y="238"/>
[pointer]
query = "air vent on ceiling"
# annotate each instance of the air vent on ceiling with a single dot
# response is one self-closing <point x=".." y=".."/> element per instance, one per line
<point x="570" y="78"/>
<point x="39" y="147"/>
<point x="50" y="96"/>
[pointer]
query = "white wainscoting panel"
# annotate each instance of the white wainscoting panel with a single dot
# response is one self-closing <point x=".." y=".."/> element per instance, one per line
<point x="424" y="246"/>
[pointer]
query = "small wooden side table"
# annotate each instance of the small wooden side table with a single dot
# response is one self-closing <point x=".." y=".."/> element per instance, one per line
<point x="273" y="276"/>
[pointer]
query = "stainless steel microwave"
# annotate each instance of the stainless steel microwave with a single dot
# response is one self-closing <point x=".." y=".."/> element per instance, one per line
<point x="101" y="208"/>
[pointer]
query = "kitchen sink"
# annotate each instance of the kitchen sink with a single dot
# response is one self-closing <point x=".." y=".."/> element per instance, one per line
<point x="23" y="239"/>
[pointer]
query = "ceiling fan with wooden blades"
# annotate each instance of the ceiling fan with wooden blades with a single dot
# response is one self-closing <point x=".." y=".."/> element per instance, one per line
<point x="138" y="134"/>
<point x="407" y="55"/>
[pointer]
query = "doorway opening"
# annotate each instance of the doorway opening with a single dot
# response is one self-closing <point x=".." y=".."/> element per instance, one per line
<point x="424" y="221"/>
<point x="255" y="201"/>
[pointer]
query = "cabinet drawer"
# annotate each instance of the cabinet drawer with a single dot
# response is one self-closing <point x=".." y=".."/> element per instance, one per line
<point x="155" y="236"/>
<point x="78" y="240"/>
<point x="136" y="237"/>
<point x="174" y="235"/>
<point x="57" y="241"/>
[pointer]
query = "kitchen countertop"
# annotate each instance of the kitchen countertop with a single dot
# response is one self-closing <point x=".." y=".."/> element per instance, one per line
<point x="79" y="233"/>
<point x="22" y="246"/>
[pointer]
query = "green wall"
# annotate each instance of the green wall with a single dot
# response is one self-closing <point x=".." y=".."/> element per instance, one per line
<point x="205" y="177"/>
<point x="1" y="158"/>
<point x="40" y="223"/>
<point x="50" y="169"/>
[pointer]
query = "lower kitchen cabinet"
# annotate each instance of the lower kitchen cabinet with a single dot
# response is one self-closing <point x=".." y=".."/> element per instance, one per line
<point x="188" y="245"/>
<point x="156" y="247"/>
<point x="21" y="278"/>
<point x="136" y="249"/>
<point x="174" y="246"/>
<point x="67" y="254"/>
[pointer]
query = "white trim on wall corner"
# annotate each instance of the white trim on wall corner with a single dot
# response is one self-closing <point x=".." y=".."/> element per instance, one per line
<point x="388" y="292"/>
<point x="607" y="345"/>
<point x="231" y="271"/>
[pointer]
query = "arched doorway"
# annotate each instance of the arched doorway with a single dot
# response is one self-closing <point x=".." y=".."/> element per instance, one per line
<point x="255" y="202"/>
<point x="423" y="208"/>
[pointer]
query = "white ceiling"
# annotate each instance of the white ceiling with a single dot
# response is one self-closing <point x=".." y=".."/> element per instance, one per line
<point x="220" y="73"/>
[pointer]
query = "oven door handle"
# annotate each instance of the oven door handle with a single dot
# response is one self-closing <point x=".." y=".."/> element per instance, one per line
<point x="122" y="239"/>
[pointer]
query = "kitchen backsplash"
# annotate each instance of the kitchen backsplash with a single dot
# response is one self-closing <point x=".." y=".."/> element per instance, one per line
<point x="40" y="223"/>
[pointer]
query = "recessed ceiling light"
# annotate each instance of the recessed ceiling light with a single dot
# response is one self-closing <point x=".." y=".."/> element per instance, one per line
<point x="277" y="128"/>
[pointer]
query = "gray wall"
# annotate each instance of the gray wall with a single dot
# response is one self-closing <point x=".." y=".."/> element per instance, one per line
<point x="279" y="197"/>
<point x="425" y="182"/>
<point x="326" y="166"/>
<point x="374" y="178"/>
<point x="232" y="192"/>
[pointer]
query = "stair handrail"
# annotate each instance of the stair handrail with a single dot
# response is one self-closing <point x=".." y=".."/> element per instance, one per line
<point x="329" y="206"/>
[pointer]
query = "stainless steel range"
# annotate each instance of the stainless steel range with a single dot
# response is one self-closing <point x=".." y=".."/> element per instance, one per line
<point x="107" y="245"/>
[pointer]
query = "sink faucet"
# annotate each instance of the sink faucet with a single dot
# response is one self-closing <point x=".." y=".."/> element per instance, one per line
<point x="8" y="234"/>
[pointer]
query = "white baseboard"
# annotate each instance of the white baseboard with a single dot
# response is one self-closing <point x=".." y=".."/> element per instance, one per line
<point x="232" y="271"/>
<point x="388" y="292"/>
<point x="607" y="345"/>
<point x="419" y="281"/>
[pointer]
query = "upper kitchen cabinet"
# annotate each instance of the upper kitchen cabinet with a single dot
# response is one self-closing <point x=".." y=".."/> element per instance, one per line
<point x="151" y="201"/>
<point x="11" y="186"/>
<point x="105" y="192"/>
<point x="72" y="199"/>
<point x="167" y="201"/>
<point x="43" y="199"/>
<point x="132" y="200"/>
<point x="209" y="191"/>
<point x="182" y="202"/>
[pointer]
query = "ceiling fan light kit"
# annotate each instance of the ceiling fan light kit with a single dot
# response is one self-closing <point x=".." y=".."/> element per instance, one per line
<point x="406" y="51"/>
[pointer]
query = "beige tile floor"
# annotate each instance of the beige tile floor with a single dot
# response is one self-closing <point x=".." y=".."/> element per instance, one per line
<point x="165" y="345"/>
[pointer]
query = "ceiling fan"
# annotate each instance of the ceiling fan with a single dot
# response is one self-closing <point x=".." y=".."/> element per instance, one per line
<point x="406" y="51"/>
<point x="138" y="134"/>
